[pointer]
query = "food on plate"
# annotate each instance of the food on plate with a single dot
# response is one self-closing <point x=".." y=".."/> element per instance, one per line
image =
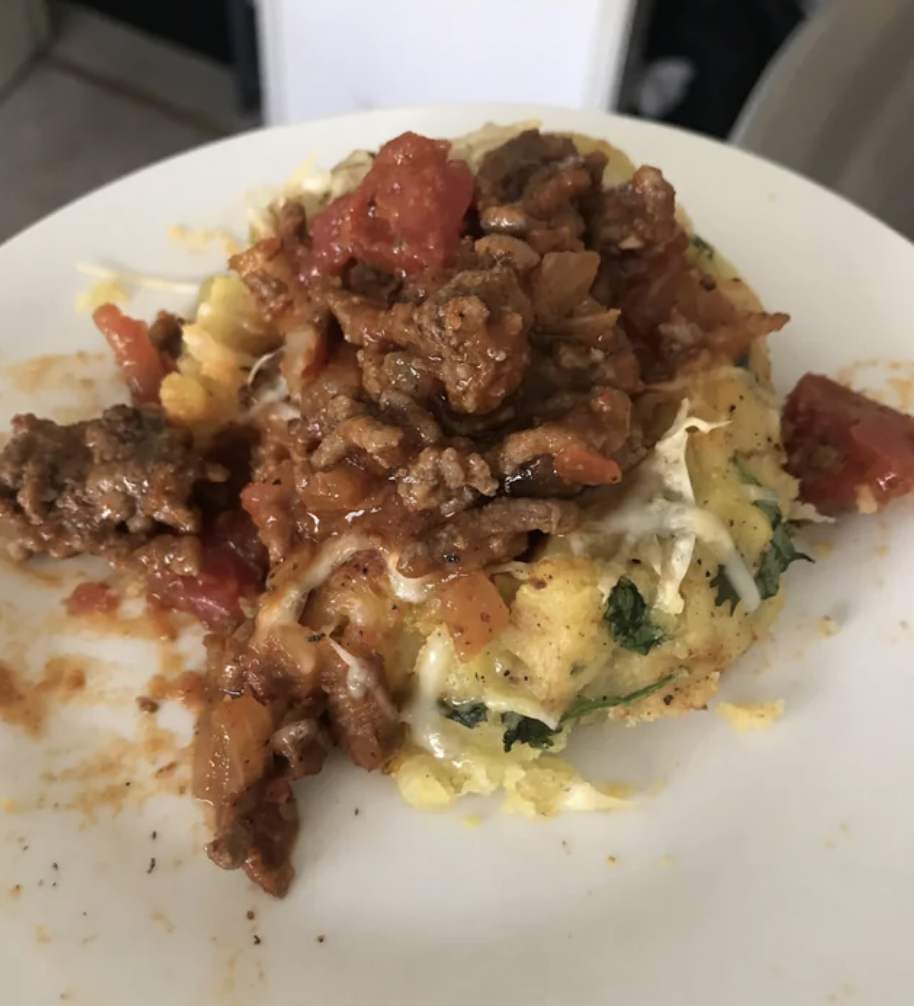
<point x="848" y="451"/>
<point x="746" y="716"/>
<point x="475" y="442"/>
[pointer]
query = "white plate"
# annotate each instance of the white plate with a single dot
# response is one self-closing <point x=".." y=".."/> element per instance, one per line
<point x="770" y="868"/>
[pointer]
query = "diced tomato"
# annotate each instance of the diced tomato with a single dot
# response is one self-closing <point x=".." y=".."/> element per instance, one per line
<point x="407" y="213"/>
<point x="237" y="532"/>
<point x="848" y="451"/>
<point x="214" y="596"/>
<point x="90" y="598"/>
<point x="233" y="566"/>
<point x="134" y="353"/>
<point x="584" y="466"/>
<point x="473" y="611"/>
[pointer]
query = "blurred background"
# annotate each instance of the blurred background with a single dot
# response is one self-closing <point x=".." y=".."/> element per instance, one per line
<point x="92" y="89"/>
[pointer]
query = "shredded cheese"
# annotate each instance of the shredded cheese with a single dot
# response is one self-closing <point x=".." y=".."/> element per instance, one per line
<point x="138" y="279"/>
<point x="104" y="292"/>
<point x="198" y="239"/>
<point x="661" y="504"/>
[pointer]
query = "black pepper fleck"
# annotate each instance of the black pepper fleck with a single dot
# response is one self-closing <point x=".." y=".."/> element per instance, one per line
<point x="321" y="938"/>
<point x="54" y="866"/>
<point x="152" y="865"/>
<point x="257" y="940"/>
<point x="250" y="915"/>
<point x="154" y="835"/>
<point x="667" y="700"/>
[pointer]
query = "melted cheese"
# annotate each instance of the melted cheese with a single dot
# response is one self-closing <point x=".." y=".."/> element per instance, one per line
<point x="409" y="589"/>
<point x="422" y="714"/>
<point x="661" y="504"/>
<point x="288" y="589"/>
<point x="359" y="676"/>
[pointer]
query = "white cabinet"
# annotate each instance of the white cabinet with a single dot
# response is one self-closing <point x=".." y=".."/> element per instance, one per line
<point x="326" y="57"/>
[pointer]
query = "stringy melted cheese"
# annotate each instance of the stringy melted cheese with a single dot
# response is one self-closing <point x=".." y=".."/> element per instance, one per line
<point x="661" y="504"/>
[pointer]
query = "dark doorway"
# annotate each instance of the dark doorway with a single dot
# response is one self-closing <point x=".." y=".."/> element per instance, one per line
<point x="200" y="25"/>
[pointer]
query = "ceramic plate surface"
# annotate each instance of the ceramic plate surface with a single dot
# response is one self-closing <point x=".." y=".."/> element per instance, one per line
<point x="765" y="868"/>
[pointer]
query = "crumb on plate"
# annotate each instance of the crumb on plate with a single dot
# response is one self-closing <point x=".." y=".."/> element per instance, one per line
<point x="826" y="626"/>
<point x="746" y="716"/>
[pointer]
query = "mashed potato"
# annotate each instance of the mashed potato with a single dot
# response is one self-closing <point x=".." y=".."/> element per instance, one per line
<point x="560" y="653"/>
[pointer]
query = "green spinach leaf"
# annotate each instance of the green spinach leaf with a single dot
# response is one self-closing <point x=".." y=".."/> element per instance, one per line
<point x="778" y="555"/>
<point x="726" y="594"/>
<point x="467" y="714"/>
<point x="744" y="474"/>
<point x="629" y="619"/>
<point x="526" y="730"/>
<point x="702" y="247"/>
<point x="583" y="706"/>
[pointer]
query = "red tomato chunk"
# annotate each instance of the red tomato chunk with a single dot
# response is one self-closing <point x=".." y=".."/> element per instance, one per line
<point x="233" y="567"/>
<point x="406" y="214"/>
<point x="133" y="352"/>
<point x="848" y="451"/>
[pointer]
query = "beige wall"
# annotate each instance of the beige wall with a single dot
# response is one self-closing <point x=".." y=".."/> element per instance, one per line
<point x="23" y="27"/>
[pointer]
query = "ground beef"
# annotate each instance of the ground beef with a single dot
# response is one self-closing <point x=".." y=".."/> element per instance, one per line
<point x="292" y="228"/>
<point x="475" y="332"/>
<point x="637" y="216"/>
<point x="362" y="712"/>
<point x="536" y="186"/>
<point x="505" y="172"/>
<point x="490" y="534"/>
<point x="446" y="480"/>
<point x="102" y="487"/>
<point x="361" y="436"/>
<point x="596" y="428"/>
<point x="166" y="334"/>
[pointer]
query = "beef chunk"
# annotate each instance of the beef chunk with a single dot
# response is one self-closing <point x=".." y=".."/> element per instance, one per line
<point x="362" y="711"/>
<point x="102" y="487"/>
<point x="637" y="216"/>
<point x="475" y="331"/>
<point x="493" y="533"/>
<point x="446" y="480"/>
